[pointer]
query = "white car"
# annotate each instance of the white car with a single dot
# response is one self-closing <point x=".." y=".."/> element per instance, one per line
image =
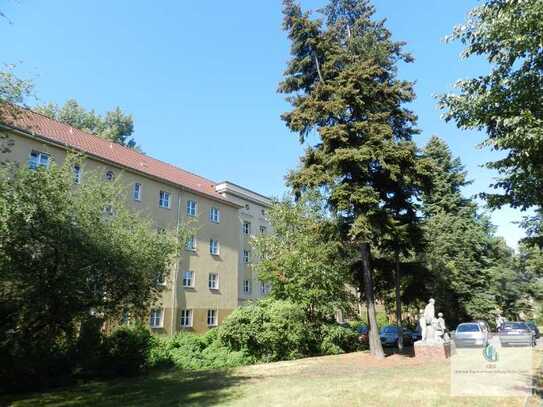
<point x="470" y="334"/>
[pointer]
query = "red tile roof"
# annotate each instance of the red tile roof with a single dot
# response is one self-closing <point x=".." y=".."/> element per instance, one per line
<point x="38" y="125"/>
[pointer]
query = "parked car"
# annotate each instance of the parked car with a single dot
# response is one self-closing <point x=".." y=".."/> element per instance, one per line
<point x="516" y="334"/>
<point x="469" y="334"/>
<point x="363" y="332"/>
<point x="416" y="335"/>
<point x="533" y="327"/>
<point x="390" y="335"/>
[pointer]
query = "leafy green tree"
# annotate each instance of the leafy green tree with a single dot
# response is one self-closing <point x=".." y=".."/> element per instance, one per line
<point x="464" y="258"/>
<point x="300" y="258"/>
<point x="507" y="102"/>
<point x="342" y="85"/>
<point x="68" y="254"/>
<point x="115" y="125"/>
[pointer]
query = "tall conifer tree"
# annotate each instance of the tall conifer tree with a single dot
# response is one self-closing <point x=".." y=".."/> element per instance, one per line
<point x="341" y="82"/>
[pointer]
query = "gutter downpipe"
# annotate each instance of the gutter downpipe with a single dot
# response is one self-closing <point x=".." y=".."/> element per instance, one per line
<point x="177" y="260"/>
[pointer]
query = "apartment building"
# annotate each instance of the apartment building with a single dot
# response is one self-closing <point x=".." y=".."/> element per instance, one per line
<point x="214" y="274"/>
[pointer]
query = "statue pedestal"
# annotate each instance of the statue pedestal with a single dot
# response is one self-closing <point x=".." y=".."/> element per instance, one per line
<point x="433" y="350"/>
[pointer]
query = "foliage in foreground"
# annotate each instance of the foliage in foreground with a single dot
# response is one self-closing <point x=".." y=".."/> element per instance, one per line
<point x="301" y="258"/>
<point x="271" y="330"/>
<point x="189" y="351"/>
<point x="64" y="262"/>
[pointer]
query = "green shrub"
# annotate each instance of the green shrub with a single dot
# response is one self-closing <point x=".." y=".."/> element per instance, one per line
<point x="337" y="339"/>
<point x="126" y="351"/>
<point x="194" y="352"/>
<point x="268" y="330"/>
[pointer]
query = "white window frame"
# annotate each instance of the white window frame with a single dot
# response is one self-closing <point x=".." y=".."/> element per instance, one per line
<point x="215" y="215"/>
<point x="38" y="159"/>
<point x="190" y="244"/>
<point x="164" y="200"/>
<point x="185" y="318"/>
<point x="247" y="286"/>
<point x="192" y="208"/>
<point x="213" y="281"/>
<point x="263" y="229"/>
<point x="246" y="228"/>
<point x="191" y="280"/>
<point x="263" y="288"/>
<point x="77" y="173"/>
<point x="109" y="175"/>
<point x="246" y="256"/>
<point x="156" y="321"/>
<point x="212" y="317"/>
<point x="137" y="191"/>
<point x="214" y="247"/>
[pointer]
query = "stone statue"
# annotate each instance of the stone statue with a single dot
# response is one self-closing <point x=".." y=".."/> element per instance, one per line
<point x="422" y="325"/>
<point x="429" y="317"/>
<point x="442" y="328"/>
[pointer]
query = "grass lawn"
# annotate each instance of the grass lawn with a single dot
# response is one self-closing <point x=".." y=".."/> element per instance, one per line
<point x="345" y="380"/>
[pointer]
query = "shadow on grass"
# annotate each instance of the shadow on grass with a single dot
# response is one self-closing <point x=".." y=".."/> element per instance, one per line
<point x="162" y="388"/>
<point x="408" y="351"/>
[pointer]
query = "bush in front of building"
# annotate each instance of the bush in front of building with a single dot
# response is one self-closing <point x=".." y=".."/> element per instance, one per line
<point x="126" y="351"/>
<point x="336" y="339"/>
<point x="195" y="352"/>
<point x="268" y="330"/>
<point x="272" y="330"/>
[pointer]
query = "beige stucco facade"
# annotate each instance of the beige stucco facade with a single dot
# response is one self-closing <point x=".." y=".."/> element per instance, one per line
<point x="228" y="266"/>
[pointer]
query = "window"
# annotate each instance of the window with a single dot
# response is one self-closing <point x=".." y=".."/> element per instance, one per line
<point x="186" y="318"/>
<point x="161" y="279"/>
<point x="155" y="321"/>
<point x="263" y="288"/>
<point x="213" y="282"/>
<point x="109" y="176"/>
<point x="214" y="215"/>
<point x="191" y="243"/>
<point x="246" y="286"/>
<point x="262" y="230"/>
<point x="212" y="317"/>
<point x="188" y="279"/>
<point x="214" y="247"/>
<point x="108" y="210"/>
<point x="263" y="212"/>
<point x="38" y="159"/>
<point x="246" y="256"/>
<point x="77" y="174"/>
<point x="246" y="229"/>
<point x="192" y="208"/>
<point x="247" y="206"/>
<point x="164" y="199"/>
<point x="136" y="192"/>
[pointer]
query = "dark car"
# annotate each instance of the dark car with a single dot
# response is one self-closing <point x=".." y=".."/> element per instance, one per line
<point x="416" y="335"/>
<point x="533" y="327"/>
<point x="390" y="335"/>
<point x="516" y="334"/>
<point x="362" y="332"/>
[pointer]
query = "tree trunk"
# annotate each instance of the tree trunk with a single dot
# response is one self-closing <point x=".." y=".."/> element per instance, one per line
<point x="376" y="349"/>
<point x="398" y="299"/>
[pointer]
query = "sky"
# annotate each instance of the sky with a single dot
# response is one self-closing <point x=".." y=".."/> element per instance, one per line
<point x="200" y="78"/>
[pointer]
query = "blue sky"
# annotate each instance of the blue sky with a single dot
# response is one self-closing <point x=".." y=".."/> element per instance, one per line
<point x="200" y="77"/>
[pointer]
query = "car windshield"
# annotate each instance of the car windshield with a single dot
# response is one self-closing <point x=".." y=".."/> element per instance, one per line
<point x="468" y="328"/>
<point x="389" y="330"/>
<point x="515" y="325"/>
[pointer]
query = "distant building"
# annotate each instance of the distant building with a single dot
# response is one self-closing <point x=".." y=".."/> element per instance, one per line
<point x="214" y="275"/>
